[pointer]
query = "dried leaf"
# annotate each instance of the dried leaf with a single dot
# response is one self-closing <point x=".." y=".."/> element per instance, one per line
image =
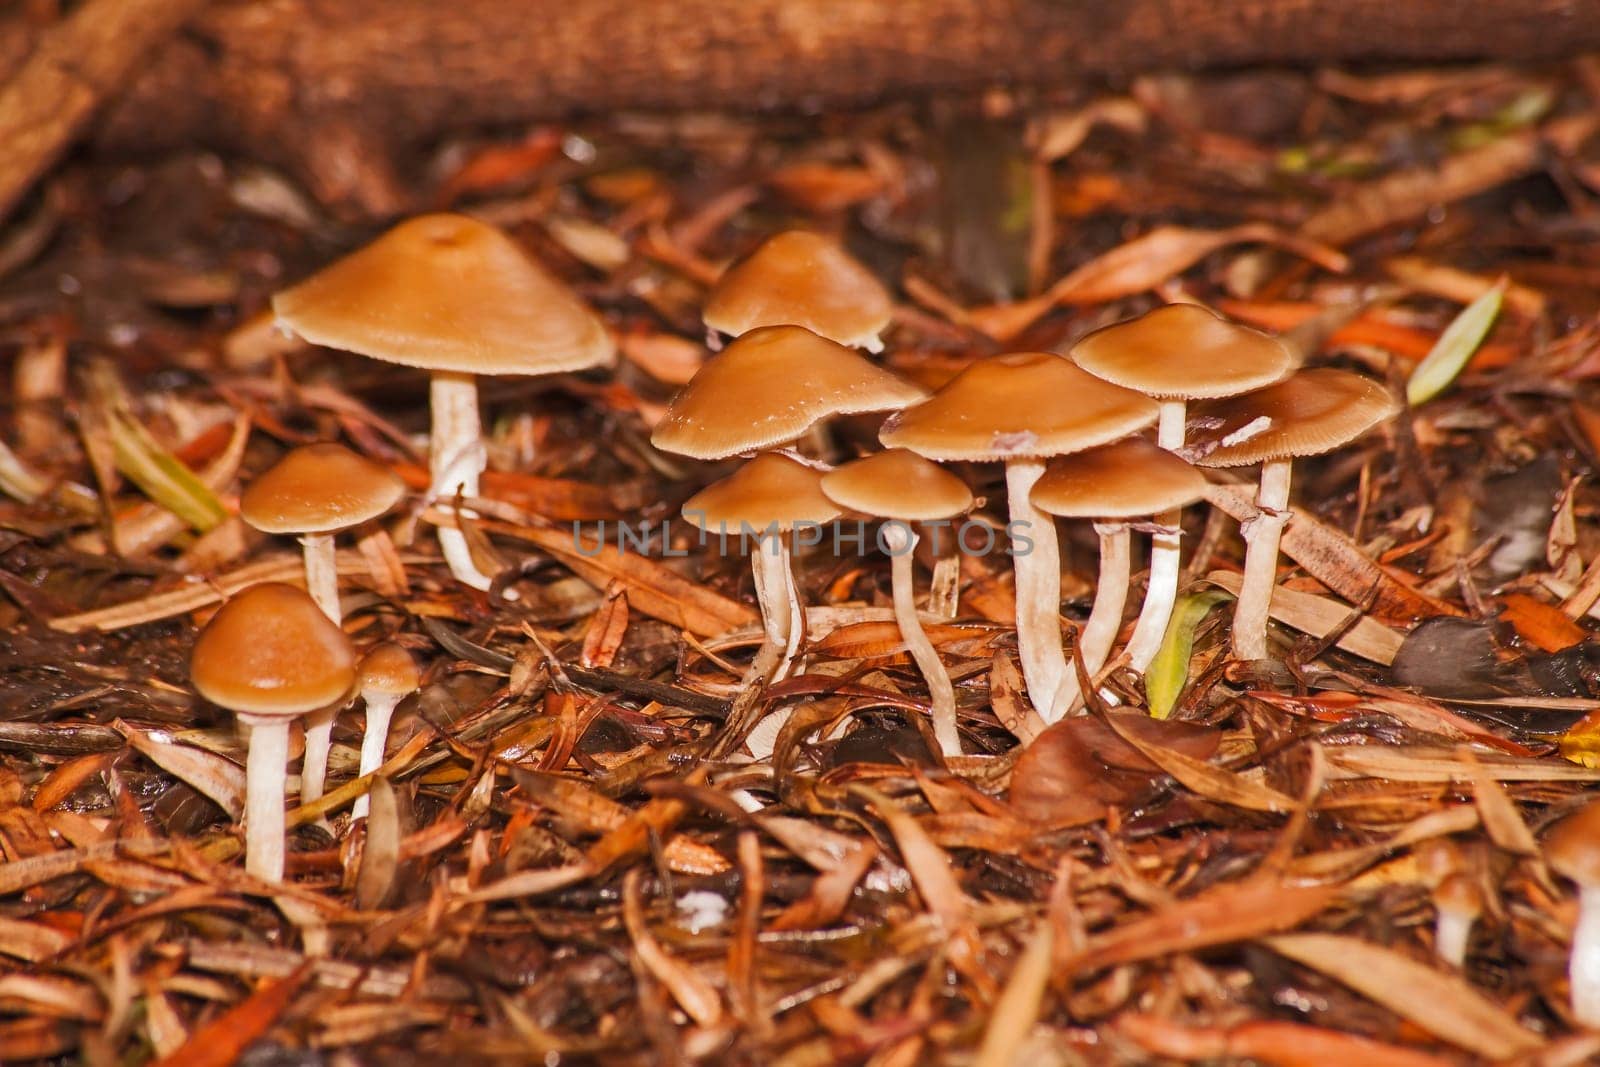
<point x="380" y="853"/>
<point x="1445" y="1005"/>
<point x="1440" y="367"/>
<point x="1209" y="780"/>
<point x="928" y="863"/>
<point x="1319" y="616"/>
<point x="1017" y="1010"/>
<point x="1078" y="766"/>
<point x="1007" y="691"/>
<point x="696" y="996"/>
<point x="220" y="1042"/>
<point x="219" y="779"/>
<point x="1542" y="625"/>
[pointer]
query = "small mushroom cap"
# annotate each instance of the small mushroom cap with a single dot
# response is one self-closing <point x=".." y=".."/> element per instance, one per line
<point x="1459" y="893"/>
<point x="1019" y="405"/>
<point x="1117" y="481"/>
<point x="802" y="279"/>
<point x="771" y="490"/>
<point x="1314" y="412"/>
<point x="1183" y="351"/>
<point x="771" y="386"/>
<point x="1573" y="846"/>
<point x="317" y="489"/>
<point x="447" y="293"/>
<point x="388" y="669"/>
<point x="271" y="652"/>
<point x="897" y="485"/>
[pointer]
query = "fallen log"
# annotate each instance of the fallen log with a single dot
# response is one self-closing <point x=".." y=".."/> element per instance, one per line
<point x="337" y="91"/>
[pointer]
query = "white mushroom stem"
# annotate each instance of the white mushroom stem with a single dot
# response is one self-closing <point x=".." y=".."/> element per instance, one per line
<point x="1583" y="969"/>
<point x="1452" y="932"/>
<point x="266" y="766"/>
<point x="781" y="614"/>
<point x="1105" y="617"/>
<point x="1037" y="570"/>
<point x="319" y="740"/>
<point x="380" y="709"/>
<point x="1162" y="590"/>
<point x="322" y="573"/>
<point x="1261" y="533"/>
<point x="898" y="541"/>
<point x="456" y="458"/>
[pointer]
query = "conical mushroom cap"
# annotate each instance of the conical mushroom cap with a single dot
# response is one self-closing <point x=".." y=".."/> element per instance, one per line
<point x="271" y="652"/>
<point x="317" y="489"/>
<point x="897" y="484"/>
<point x="447" y="293"/>
<point x="1124" y="480"/>
<point x="388" y="669"/>
<point x="1183" y="351"/>
<point x="1015" y="406"/>
<point x="772" y="490"/>
<point x="769" y="387"/>
<point x="1316" y="411"/>
<point x="802" y="279"/>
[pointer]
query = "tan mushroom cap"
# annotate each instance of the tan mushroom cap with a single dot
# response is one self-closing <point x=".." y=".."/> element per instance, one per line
<point x="447" y="293"/>
<point x="1314" y="412"/>
<point x="1118" y="481"/>
<point x="388" y="669"/>
<point x="1459" y="893"/>
<point x="271" y="652"/>
<point x="1019" y="405"/>
<point x="803" y="279"/>
<point x="1573" y="846"/>
<point x="771" y="386"/>
<point x="771" y="490"/>
<point x="1183" y="351"/>
<point x="317" y="489"/>
<point x="897" y="484"/>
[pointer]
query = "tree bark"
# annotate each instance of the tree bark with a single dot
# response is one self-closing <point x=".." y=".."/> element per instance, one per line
<point x="335" y="90"/>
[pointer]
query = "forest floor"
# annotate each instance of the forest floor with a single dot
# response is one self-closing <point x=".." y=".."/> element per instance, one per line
<point x="561" y="873"/>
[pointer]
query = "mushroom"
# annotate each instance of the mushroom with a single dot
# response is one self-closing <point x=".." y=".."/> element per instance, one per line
<point x="387" y="675"/>
<point x="768" y="496"/>
<point x="1112" y="484"/>
<point x="803" y="279"/>
<point x="1315" y="411"/>
<point x="270" y="655"/>
<point x="314" y="492"/>
<point x="458" y="299"/>
<point x="1457" y="903"/>
<point x="1573" y="851"/>
<point x="1020" y="409"/>
<point x="1177" y="353"/>
<point x="903" y="487"/>
<point x="769" y="388"/>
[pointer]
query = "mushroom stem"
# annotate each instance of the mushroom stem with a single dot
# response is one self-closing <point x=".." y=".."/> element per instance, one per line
<point x="1583" y="969"/>
<point x="1037" y="570"/>
<point x="898" y="541"/>
<point x="380" y="709"/>
<point x="322" y="573"/>
<point x="1261" y="532"/>
<point x="1162" y="589"/>
<point x="781" y="614"/>
<point x="1452" y="933"/>
<point x="265" y="768"/>
<point x="456" y="458"/>
<point x="319" y="740"/>
<point x="1105" y="617"/>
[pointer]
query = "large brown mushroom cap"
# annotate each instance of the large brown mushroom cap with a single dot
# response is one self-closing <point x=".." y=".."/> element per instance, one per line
<point x="771" y="386"/>
<point x="1183" y="351"/>
<point x="772" y="490"/>
<point x="1118" y="481"/>
<point x="802" y="279"/>
<point x="1573" y="846"/>
<point x="317" y="489"/>
<point x="447" y="293"/>
<point x="897" y="484"/>
<point x="271" y="652"/>
<point x="1020" y="405"/>
<point x="1316" y="411"/>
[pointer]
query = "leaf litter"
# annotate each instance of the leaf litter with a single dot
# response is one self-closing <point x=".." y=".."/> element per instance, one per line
<point x="559" y="863"/>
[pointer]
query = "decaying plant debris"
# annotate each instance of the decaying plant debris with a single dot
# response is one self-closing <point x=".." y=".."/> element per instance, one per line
<point x="560" y="861"/>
